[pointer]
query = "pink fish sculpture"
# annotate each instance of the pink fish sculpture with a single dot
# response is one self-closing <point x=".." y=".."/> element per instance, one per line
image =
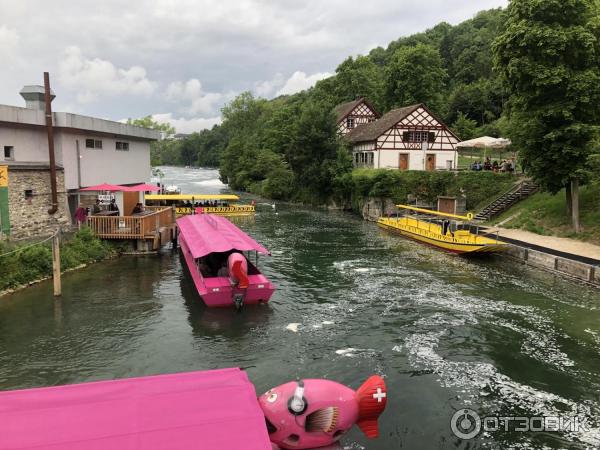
<point x="316" y="413"/>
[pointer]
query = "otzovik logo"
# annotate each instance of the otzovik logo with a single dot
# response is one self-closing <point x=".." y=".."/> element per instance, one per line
<point x="465" y="424"/>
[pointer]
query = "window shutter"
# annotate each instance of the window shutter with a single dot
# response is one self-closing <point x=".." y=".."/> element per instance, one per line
<point x="405" y="136"/>
<point x="431" y="137"/>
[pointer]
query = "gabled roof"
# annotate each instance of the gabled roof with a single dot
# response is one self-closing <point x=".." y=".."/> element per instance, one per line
<point x="344" y="109"/>
<point x="371" y="131"/>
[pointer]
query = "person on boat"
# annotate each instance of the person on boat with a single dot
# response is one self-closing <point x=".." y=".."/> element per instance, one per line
<point x="203" y="268"/>
<point x="223" y="271"/>
<point x="138" y="208"/>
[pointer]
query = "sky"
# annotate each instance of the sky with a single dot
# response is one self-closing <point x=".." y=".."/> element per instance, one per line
<point x="182" y="60"/>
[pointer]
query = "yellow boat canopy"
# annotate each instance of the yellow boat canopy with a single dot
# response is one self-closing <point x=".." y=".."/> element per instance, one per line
<point x="467" y="218"/>
<point x="192" y="197"/>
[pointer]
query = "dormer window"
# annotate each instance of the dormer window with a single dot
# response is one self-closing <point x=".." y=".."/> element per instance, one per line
<point x="350" y="122"/>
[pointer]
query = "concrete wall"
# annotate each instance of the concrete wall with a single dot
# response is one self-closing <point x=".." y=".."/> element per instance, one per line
<point x="29" y="217"/>
<point x="106" y="165"/>
<point x="556" y="264"/>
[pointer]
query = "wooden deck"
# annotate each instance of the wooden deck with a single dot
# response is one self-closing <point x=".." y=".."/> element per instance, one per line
<point x="133" y="227"/>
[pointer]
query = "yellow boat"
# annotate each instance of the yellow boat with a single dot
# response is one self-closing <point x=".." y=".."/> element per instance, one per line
<point x="185" y="204"/>
<point x="446" y="235"/>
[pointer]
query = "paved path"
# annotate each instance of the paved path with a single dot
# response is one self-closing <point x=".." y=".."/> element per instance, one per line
<point x="565" y="245"/>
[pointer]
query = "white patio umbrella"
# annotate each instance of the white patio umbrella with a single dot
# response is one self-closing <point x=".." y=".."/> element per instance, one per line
<point x="485" y="142"/>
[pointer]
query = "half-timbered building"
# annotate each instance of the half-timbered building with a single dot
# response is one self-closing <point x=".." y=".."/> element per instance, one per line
<point x="352" y="114"/>
<point x="409" y="138"/>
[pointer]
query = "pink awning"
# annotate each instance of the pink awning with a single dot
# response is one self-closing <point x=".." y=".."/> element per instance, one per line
<point x="107" y="187"/>
<point x="211" y="410"/>
<point x="208" y="233"/>
<point x="144" y="188"/>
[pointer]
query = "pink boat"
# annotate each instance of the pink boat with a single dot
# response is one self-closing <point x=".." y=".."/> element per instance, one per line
<point x="211" y="410"/>
<point x="212" y="247"/>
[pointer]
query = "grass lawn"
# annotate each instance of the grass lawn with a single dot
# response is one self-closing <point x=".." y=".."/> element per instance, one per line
<point x="545" y="214"/>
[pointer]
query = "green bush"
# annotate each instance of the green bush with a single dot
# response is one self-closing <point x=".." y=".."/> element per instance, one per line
<point x="478" y="187"/>
<point x="33" y="263"/>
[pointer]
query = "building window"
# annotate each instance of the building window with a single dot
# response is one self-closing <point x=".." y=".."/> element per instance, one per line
<point x="418" y="136"/>
<point x="350" y="122"/>
<point x="9" y="152"/>
<point x="28" y="194"/>
<point x="124" y="146"/>
<point x="93" y="143"/>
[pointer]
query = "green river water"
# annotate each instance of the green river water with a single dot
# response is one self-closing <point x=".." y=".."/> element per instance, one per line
<point x="446" y="332"/>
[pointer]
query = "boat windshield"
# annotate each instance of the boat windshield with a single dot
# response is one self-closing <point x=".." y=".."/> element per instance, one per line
<point x="215" y="264"/>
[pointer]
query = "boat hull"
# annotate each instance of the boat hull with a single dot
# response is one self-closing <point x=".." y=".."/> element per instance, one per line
<point x="218" y="292"/>
<point x="463" y="246"/>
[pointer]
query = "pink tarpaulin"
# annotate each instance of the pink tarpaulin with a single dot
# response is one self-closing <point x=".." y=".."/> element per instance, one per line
<point x="208" y="233"/>
<point x="210" y="410"/>
<point x="106" y="187"/>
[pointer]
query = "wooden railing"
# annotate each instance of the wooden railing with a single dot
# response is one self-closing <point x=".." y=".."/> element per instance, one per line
<point x="131" y="227"/>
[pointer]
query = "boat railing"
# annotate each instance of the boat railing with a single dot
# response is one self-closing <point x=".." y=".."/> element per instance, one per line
<point x="132" y="227"/>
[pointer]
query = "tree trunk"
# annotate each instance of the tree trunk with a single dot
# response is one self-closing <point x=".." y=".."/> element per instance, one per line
<point x="569" y="199"/>
<point x="575" y="205"/>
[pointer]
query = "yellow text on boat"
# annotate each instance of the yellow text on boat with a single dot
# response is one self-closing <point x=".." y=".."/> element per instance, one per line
<point x="233" y="210"/>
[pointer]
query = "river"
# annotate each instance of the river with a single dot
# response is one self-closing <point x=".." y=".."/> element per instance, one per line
<point x="446" y="332"/>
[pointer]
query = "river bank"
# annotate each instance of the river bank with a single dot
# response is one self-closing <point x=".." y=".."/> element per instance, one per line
<point x="30" y="263"/>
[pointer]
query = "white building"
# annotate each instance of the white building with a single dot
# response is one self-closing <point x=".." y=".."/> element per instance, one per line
<point x="409" y="138"/>
<point x="349" y="115"/>
<point x="90" y="150"/>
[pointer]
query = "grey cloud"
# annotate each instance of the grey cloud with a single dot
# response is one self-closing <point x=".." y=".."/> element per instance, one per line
<point x="130" y="54"/>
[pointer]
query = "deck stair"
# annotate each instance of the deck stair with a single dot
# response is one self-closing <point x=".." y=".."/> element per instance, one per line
<point x="518" y="192"/>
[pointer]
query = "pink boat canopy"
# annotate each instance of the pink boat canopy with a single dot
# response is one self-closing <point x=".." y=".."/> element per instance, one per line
<point x="212" y="410"/>
<point x="208" y="233"/>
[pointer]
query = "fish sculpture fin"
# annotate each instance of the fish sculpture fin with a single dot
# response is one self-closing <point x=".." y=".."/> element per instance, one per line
<point x="324" y="420"/>
<point x="371" y="398"/>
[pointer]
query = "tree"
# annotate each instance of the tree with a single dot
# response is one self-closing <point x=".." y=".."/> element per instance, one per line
<point x="161" y="151"/>
<point x="149" y="122"/>
<point x="464" y="127"/>
<point x="415" y="75"/>
<point x="359" y="77"/>
<point x="549" y="58"/>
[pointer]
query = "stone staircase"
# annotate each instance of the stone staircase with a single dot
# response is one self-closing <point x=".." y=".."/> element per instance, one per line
<point x="518" y="192"/>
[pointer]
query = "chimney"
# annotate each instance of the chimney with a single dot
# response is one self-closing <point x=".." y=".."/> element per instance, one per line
<point x="34" y="97"/>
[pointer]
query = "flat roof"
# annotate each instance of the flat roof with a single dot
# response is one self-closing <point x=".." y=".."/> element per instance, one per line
<point x="29" y="117"/>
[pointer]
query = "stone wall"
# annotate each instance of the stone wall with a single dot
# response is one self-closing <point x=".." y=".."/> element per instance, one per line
<point x="29" y="216"/>
<point x="556" y="264"/>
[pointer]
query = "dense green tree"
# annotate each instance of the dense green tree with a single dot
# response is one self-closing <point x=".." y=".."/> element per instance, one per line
<point x="464" y="127"/>
<point x="359" y="77"/>
<point x="548" y="56"/>
<point x="415" y="75"/>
